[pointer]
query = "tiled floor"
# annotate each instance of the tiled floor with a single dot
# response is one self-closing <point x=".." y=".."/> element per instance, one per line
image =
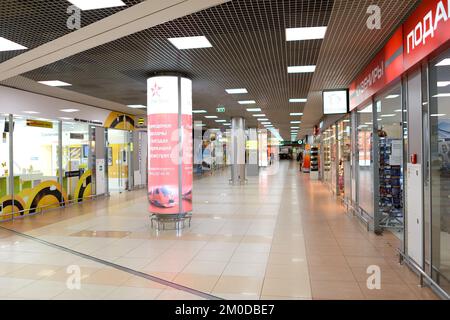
<point x="281" y="236"/>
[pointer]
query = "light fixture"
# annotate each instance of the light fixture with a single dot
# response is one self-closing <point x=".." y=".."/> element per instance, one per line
<point x="199" y="111"/>
<point x="184" y="43"/>
<point x="294" y="114"/>
<point x="295" y="127"/>
<point x="227" y="124"/>
<point x="262" y="119"/>
<point x="392" y="96"/>
<point x="259" y="115"/>
<point x="438" y="115"/>
<point x="221" y="121"/>
<point x="8" y="45"/>
<point x="247" y="102"/>
<point x="311" y="33"/>
<point x="254" y="109"/>
<point x="388" y="115"/>
<point x="136" y="106"/>
<point x="301" y="69"/>
<point x="200" y="125"/>
<point x="96" y="4"/>
<point x="69" y="110"/>
<point x="443" y="84"/>
<point x="65" y="118"/>
<point x="445" y="62"/>
<point x="442" y="95"/>
<point x="30" y="112"/>
<point x="236" y="91"/>
<point x="296" y="122"/>
<point x="55" y="83"/>
<point x="297" y="100"/>
<point x="211" y="117"/>
<point x="266" y="123"/>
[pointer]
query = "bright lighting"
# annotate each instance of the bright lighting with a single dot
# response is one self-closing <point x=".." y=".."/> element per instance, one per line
<point x="262" y="119"/>
<point x="442" y="95"/>
<point x="266" y="123"/>
<point x="236" y="91"/>
<point x="221" y="121"/>
<point x="301" y="69"/>
<point x="96" y="4"/>
<point x="299" y="34"/>
<point x="294" y="114"/>
<point x="247" y="102"/>
<point x="297" y="100"/>
<point x="443" y="84"/>
<point x="199" y="111"/>
<point x="30" y="112"/>
<point x="55" y="83"/>
<point x="393" y="96"/>
<point x="254" y="109"/>
<point x="388" y="115"/>
<point x="259" y="115"/>
<point x="438" y="115"/>
<point x="445" y="62"/>
<point x="190" y="42"/>
<point x="295" y="127"/>
<point x="211" y="117"/>
<point x="136" y="106"/>
<point x="296" y="122"/>
<point x="8" y="45"/>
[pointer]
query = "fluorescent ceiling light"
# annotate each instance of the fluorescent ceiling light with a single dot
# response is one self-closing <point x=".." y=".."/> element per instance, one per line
<point x="442" y="84"/>
<point x="236" y="91"/>
<point x="259" y="115"/>
<point x="388" y="115"/>
<point x="262" y="119"/>
<point x="398" y="110"/>
<point x="438" y="115"/>
<point x="211" y="117"/>
<point x="69" y="110"/>
<point x="297" y="100"/>
<point x="55" y="83"/>
<point x="254" y="109"/>
<point x="30" y="112"/>
<point x="247" y="102"/>
<point x="136" y="106"/>
<point x="445" y="62"/>
<point x="442" y="95"/>
<point x="8" y="45"/>
<point x="266" y="123"/>
<point x="301" y="69"/>
<point x="295" y="127"/>
<point x="293" y="114"/>
<point x="65" y="118"/>
<point x="227" y="124"/>
<point x="393" y="96"/>
<point x="190" y="42"/>
<point x="221" y="121"/>
<point x="299" y="34"/>
<point x="199" y="111"/>
<point x="296" y="122"/>
<point x="96" y="4"/>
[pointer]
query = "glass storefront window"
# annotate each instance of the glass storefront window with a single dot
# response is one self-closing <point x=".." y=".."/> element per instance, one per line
<point x="4" y="156"/>
<point x="118" y="160"/>
<point x="390" y="159"/>
<point x="439" y="112"/>
<point x="326" y="145"/>
<point x="36" y="164"/>
<point x="365" y="159"/>
<point x="344" y="156"/>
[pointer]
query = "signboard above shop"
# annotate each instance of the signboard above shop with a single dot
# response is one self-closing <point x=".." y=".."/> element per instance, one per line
<point x="335" y="101"/>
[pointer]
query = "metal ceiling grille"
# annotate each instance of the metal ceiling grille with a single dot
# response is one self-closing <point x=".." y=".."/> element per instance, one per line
<point x="32" y="23"/>
<point x="249" y="51"/>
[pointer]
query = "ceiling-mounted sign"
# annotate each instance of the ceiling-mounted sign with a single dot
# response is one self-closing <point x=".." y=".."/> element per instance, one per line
<point x="39" y="124"/>
<point x="220" y="109"/>
<point x="335" y="101"/>
<point x="76" y="136"/>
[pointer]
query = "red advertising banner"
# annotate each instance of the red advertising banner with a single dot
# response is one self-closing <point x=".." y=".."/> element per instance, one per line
<point x="170" y="176"/>
<point x="384" y="68"/>
<point x="426" y="30"/>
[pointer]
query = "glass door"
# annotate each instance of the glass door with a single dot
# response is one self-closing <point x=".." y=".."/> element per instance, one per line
<point x="118" y="160"/>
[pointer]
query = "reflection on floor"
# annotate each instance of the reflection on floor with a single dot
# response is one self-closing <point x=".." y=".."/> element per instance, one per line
<point x="281" y="236"/>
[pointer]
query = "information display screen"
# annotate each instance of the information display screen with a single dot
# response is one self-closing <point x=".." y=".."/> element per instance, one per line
<point x="335" y="102"/>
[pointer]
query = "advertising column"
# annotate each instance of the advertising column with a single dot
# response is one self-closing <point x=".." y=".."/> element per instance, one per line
<point x="170" y="163"/>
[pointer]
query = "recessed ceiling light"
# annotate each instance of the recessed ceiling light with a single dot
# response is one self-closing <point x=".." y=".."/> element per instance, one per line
<point x="247" y="102"/>
<point x="236" y="91"/>
<point x="211" y="117"/>
<point x="442" y="95"/>
<point x="96" y="4"/>
<point x="298" y="34"/>
<point x="296" y="122"/>
<point x="70" y="110"/>
<point x="199" y="111"/>
<point x="442" y="84"/>
<point x="200" y="125"/>
<point x="227" y="124"/>
<point x="295" y="127"/>
<point x="30" y="112"/>
<point x="136" y="106"/>
<point x="8" y="45"/>
<point x="445" y="62"/>
<point x="55" y="83"/>
<point x="221" y="121"/>
<point x="293" y="114"/>
<point x="184" y="43"/>
<point x="262" y="119"/>
<point x="298" y="100"/>
<point x="266" y="123"/>
<point x="65" y="118"/>
<point x="388" y="115"/>
<point x="259" y="115"/>
<point x="254" y="109"/>
<point x="301" y="69"/>
<point x="393" y="96"/>
<point x="438" y="115"/>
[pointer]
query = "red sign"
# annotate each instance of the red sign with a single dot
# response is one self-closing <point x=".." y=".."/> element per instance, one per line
<point x="426" y="30"/>
<point x="386" y="67"/>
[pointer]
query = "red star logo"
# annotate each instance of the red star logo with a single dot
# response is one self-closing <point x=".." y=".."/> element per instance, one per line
<point x="155" y="90"/>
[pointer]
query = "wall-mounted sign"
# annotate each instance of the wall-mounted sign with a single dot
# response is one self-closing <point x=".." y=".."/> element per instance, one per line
<point x="335" y="101"/>
<point x="39" y="124"/>
<point x="220" y="109"/>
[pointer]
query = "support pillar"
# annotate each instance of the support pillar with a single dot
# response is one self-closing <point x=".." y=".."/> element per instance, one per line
<point x="252" y="148"/>
<point x="170" y="163"/>
<point x="238" y="141"/>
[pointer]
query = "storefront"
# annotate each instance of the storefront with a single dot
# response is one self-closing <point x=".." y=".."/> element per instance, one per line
<point x="400" y="143"/>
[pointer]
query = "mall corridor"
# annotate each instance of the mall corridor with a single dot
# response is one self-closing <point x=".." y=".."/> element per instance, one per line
<point x="281" y="236"/>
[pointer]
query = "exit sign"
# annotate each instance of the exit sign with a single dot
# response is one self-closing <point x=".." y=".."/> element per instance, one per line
<point x="220" y="109"/>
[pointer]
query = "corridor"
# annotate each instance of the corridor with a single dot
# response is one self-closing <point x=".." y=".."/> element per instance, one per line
<point x="281" y="236"/>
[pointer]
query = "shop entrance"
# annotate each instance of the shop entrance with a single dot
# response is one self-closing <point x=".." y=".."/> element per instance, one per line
<point x="119" y="161"/>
